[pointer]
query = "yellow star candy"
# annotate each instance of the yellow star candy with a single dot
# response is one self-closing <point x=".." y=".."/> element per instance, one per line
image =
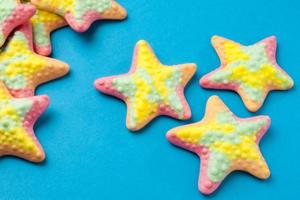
<point x="150" y="88"/>
<point x="251" y="71"/>
<point x="224" y="143"/>
<point x="17" y="117"/>
<point x="81" y="14"/>
<point x="22" y="70"/>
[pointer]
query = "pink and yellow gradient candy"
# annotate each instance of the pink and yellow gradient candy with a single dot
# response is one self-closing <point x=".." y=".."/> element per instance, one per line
<point x="251" y="71"/>
<point x="43" y="23"/>
<point x="21" y="69"/>
<point x="17" y="117"/>
<point x="13" y="14"/>
<point x="150" y="88"/>
<point x="224" y="143"/>
<point x="80" y="14"/>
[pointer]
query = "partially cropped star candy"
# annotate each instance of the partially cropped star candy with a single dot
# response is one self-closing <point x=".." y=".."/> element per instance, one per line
<point x="17" y="117"/>
<point x="80" y="14"/>
<point x="251" y="71"/>
<point x="13" y="14"/>
<point x="22" y="70"/>
<point x="224" y="143"/>
<point x="150" y="88"/>
<point x="43" y="23"/>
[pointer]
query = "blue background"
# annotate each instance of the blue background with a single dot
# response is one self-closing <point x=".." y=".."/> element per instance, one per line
<point x="90" y="153"/>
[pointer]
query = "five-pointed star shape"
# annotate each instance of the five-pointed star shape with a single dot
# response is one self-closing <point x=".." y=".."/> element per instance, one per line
<point x="150" y="88"/>
<point x="251" y="71"/>
<point x="13" y="14"/>
<point x="17" y="117"/>
<point x="224" y="143"/>
<point x="81" y="14"/>
<point x="22" y="70"/>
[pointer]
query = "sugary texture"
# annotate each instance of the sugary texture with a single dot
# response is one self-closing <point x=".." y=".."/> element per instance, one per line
<point x="150" y="88"/>
<point x="43" y="23"/>
<point x="80" y="14"/>
<point x="251" y="71"/>
<point x="21" y="69"/>
<point x="13" y="14"/>
<point x="224" y="143"/>
<point x="17" y="117"/>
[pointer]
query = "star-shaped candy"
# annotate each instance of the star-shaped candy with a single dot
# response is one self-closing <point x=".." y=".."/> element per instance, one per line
<point x="224" y="143"/>
<point x="80" y="14"/>
<point x="17" y="117"/>
<point x="13" y="14"/>
<point x="43" y="23"/>
<point x="150" y="88"/>
<point x="22" y="70"/>
<point x="251" y="71"/>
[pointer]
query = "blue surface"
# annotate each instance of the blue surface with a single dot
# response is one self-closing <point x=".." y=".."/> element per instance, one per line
<point x="90" y="153"/>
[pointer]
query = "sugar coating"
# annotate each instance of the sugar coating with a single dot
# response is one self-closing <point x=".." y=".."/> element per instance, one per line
<point x="17" y="117"/>
<point x="81" y="14"/>
<point x="12" y="14"/>
<point x="252" y="71"/>
<point x="22" y="70"/>
<point x="150" y="88"/>
<point x="224" y="143"/>
<point x="43" y="23"/>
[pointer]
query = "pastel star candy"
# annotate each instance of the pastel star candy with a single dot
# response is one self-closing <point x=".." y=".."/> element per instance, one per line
<point x="150" y="88"/>
<point x="81" y="14"/>
<point x="43" y="23"/>
<point x="22" y="70"/>
<point x="224" y="143"/>
<point x="13" y="14"/>
<point x="251" y="71"/>
<point x="17" y="117"/>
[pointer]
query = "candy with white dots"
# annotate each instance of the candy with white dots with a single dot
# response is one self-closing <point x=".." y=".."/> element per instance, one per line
<point x="150" y="88"/>
<point x="17" y="117"/>
<point x="43" y="23"/>
<point x="13" y="14"/>
<point x="81" y="14"/>
<point x="251" y="71"/>
<point x="23" y="70"/>
<point x="224" y="143"/>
